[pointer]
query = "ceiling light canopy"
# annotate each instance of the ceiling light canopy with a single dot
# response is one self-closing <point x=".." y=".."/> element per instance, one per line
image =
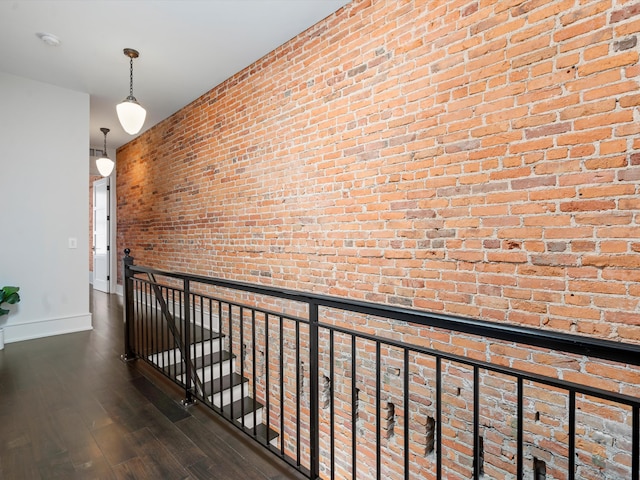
<point x="104" y="163"/>
<point x="130" y="112"/>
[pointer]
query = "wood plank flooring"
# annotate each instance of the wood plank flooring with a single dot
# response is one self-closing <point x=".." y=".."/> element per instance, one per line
<point x="70" y="409"/>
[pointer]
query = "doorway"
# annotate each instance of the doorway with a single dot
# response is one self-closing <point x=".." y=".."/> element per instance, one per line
<point x="101" y="235"/>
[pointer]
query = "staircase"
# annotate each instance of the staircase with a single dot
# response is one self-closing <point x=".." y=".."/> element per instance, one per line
<point x="224" y="390"/>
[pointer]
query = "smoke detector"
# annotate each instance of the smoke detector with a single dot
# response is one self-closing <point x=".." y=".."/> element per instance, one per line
<point x="49" y="38"/>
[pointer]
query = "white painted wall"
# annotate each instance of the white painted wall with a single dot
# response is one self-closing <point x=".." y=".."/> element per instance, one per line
<point x="44" y="181"/>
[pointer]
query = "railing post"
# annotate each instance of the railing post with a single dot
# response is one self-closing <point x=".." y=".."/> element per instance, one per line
<point x="127" y="296"/>
<point x="186" y="338"/>
<point x="314" y="404"/>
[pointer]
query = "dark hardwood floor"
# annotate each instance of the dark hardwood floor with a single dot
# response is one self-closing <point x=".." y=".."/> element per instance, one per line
<point x="70" y="409"/>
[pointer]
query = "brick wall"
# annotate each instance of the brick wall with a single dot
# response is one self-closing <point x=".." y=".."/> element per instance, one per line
<point x="473" y="158"/>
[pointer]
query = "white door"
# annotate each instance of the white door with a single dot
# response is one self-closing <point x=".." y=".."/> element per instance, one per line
<point x="101" y="248"/>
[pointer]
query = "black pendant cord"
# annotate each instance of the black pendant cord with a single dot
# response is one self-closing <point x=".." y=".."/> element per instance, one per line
<point x="105" y="131"/>
<point x="131" y="76"/>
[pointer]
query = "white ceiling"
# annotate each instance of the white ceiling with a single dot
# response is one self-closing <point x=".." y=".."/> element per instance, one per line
<point x="186" y="47"/>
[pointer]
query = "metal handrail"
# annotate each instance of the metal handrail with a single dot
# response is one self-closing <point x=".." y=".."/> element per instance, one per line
<point x="621" y="352"/>
<point x="604" y="349"/>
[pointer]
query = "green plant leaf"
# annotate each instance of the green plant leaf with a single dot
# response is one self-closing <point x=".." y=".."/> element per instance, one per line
<point x="8" y="295"/>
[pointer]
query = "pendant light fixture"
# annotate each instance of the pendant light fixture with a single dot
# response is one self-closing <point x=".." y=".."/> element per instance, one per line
<point x="130" y="113"/>
<point x="104" y="163"/>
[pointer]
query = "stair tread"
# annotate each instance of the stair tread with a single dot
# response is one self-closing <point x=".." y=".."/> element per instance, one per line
<point x="202" y="335"/>
<point x="261" y="432"/>
<point x="197" y="335"/>
<point x="220" y="384"/>
<point x="209" y="359"/>
<point x="247" y="405"/>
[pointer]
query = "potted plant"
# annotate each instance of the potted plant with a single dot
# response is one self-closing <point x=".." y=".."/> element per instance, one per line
<point x="8" y="295"/>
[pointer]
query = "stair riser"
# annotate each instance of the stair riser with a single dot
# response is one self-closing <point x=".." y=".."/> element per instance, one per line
<point x="248" y="418"/>
<point x="167" y="358"/>
<point x="238" y="393"/>
<point x="211" y="372"/>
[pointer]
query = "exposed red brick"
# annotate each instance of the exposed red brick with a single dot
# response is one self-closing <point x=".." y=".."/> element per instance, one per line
<point x="386" y="154"/>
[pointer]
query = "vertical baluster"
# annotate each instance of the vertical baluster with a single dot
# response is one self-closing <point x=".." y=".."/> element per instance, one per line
<point x="439" y="418"/>
<point x="140" y="320"/>
<point x="520" y="421"/>
<point x="180" y="329"/>
<point x="154" y="328"/>
<point x="220" y="330"/>
<point x="153" y="309"/>
<point x="331" y="404"/>
<point x="354" y="410"/>
<point x="176" y="345"/>
<point x="135" y="315"/>
<point x="210" y="393"/>
<point x="159" y="326"/>
<point x="153" y="316"/>
<point x="164" y="328"/>
<point x="314" y="375"/>
<point x="162" y="341"/>
<point x="572" y="436"/>
<point x="186" y="344"/>
<point x="267" y="391"/>
<point x="166" y="339"/>
<point x="297" y="343"/>
<point x="378" y="405"/>
<point x="242" y="363"/>
<point x="476" y="422"/>
<point x="147" y="316"/>
<point x="406" y="414"/>
<point x="162" y="334"/>
<point x="192" y="340"/>
<point x="143" y="316"/>
<point x="203" y="364"/>
<point x="139" y="316"/>
<point x="253" y="362"/>
<point x="230" y="319"/>
<point x="282" y="395"/>
<point x="635" y="443"/>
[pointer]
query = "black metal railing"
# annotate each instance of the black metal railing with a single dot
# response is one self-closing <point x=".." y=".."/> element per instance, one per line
<point x="347" y="389"/>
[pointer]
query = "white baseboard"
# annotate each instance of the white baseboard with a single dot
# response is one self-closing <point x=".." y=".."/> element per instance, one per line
<point x="46" y="328"/>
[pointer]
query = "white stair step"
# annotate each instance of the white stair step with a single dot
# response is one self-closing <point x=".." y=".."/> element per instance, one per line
<point x="222" y="396"/>
<point x="248" y="405"/>
<point x="170" y="357"/>
<point x="211" y="372"/>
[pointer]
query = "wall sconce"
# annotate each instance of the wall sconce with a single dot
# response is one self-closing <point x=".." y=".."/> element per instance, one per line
<point x="130" y="112"/>
<point x="104" y="163"/>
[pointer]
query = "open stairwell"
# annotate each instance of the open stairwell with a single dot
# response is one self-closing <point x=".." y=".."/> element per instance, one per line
<point x="226" y="391"/>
